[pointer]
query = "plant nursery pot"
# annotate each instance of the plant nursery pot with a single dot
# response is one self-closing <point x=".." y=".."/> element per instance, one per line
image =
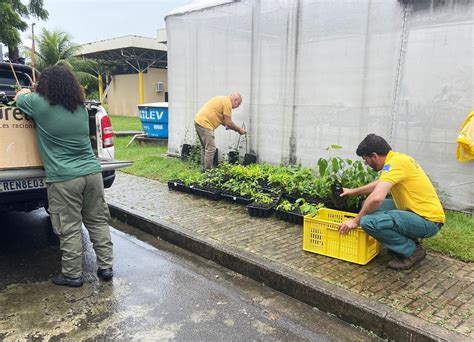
<point x="233" y="157"/>
<point x="185" y="151"/>
<point x="235" y="199"/>
<point x="212" y="194"/>
<point x="336" y="191"/>
<point x="290" y="217"/>
<point x="177" y="185"/>
<point x="249" y="158"/>
<point x="216" y="158"/>
<point x="259" y="211"/>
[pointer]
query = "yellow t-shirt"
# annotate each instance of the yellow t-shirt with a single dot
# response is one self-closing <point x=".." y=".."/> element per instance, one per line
<point x="412" y="189"/>
<point x="211" y="115"/>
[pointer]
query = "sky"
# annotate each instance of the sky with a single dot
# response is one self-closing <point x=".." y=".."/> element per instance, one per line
<point x="89" y="21"/>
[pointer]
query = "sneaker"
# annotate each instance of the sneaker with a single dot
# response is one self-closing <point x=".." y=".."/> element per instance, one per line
<point x="105" y="274"/>
<point x="407" y="263"/>
<point x="63" y="280"/>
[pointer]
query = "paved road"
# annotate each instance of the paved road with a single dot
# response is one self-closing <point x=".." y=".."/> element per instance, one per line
<point x="160" y="292"/>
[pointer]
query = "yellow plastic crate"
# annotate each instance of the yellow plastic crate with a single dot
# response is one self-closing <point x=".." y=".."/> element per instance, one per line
<point x="321" y="236"/>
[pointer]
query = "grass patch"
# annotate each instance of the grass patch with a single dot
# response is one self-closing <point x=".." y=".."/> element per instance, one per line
<point x="151" y="161"/>
<point x="126" y="123"/>
<point x="456" y="238"/>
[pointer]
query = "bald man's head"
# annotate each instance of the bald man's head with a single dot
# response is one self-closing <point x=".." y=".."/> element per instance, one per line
<point x="235" y="99"/>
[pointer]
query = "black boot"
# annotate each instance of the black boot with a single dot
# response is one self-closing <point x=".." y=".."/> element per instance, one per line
<point x="105" y="274"/>
<point x="63" y="280"/>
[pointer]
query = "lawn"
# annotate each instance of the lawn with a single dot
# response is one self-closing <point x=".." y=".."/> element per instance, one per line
<point x="456" y="238"/>
<point x="151" y="161"/>
<point x="126" y="123"/>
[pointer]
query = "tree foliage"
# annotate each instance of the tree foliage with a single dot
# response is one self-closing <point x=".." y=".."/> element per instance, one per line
<point x="12" y="19"/>
<point x="56" y="48"/>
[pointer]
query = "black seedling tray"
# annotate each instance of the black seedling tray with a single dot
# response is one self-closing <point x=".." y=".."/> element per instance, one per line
<point x="235" y="199"/>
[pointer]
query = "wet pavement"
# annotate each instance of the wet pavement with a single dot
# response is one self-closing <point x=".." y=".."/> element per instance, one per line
<point x="434" y="300"/>
<point x="159" y="292"/>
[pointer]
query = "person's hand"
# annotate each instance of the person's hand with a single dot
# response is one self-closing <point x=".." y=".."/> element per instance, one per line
<point x="347" y="192"/>
<point x="242" y="131"/>
<point x="23" y="91"/>
<point x="347" y="226"/>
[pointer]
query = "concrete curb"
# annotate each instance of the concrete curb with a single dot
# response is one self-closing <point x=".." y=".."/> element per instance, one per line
<point x="127" y="133"/>
<point x="376" y="317"/>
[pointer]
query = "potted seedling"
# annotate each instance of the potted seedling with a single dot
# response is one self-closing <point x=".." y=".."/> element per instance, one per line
<point x="238" y="191"/>
<point x="262" y="205"/>
<point x="295" y="212"/>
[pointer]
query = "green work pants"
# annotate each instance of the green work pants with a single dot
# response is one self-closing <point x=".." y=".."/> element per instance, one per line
<point x="397" y="229"/>
<point x="71" y="203"/>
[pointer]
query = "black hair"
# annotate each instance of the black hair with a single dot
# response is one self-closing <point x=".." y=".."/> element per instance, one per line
<point x="60" y="87"/>
<point x="373" y="144"/>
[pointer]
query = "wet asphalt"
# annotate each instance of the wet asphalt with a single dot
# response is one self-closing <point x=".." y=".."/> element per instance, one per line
<point x="159" y="292"/>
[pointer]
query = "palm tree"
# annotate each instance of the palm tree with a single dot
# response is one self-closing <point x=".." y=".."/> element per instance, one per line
<point x="56" y="48"/>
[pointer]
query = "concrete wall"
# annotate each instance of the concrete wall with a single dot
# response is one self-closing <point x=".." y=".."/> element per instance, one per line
<point x="123" y="96"/>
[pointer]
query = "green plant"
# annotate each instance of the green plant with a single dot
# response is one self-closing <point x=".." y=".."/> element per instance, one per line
<point x="306" y="208"/>
<point x="195" y="154"/>
<point x="348" y="173"/>
<point x="310" y="208"/>
<point x="260" y="198"/>
<point x="193" y="179"/>
<point x="285" y="205"/>
<point x="245" y="189"/>
<point x="301" y="206"/>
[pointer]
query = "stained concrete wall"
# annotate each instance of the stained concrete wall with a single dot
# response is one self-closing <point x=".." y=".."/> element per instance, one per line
<point x="123" y="96"/>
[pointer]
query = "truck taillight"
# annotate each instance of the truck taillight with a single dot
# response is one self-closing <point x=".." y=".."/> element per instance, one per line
<point x="107" y="132"/>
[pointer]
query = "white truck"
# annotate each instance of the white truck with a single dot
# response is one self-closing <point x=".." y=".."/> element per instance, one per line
<point x="24" y="189"/>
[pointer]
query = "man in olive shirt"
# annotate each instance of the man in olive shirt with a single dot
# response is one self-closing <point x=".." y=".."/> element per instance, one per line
<point x="414" y="212"/>
<point x="217" y="111"/>
<point x="73" y="174"/>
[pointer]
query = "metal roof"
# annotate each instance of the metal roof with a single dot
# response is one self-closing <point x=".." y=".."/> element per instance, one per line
<point x="128" y="54"/>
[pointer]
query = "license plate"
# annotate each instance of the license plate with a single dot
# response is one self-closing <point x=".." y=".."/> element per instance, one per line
<point x="22" y="184"/>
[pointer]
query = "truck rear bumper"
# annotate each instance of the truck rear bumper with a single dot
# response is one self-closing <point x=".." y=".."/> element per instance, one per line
<point x="23" y="200"/>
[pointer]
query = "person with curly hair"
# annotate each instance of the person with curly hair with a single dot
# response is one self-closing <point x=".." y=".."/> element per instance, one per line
<point x="73" y="173"/>
<point x="413" y="212"/>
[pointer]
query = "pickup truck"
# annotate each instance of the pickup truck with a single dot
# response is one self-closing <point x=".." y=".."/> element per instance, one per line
<point x="25" y="189"/>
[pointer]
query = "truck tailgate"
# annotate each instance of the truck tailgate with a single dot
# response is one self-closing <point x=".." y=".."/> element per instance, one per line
<point x="14" y="174"/>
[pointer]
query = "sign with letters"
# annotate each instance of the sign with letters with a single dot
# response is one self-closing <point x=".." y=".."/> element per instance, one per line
<point x="18" y="148"/>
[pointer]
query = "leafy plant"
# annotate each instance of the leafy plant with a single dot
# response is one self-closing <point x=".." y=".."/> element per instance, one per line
<point x="193" y="179"/>
<point x="243" y="189"/>
<point x="348" y="173"/>
<point x="195" y="154"/>
<point x="260" y="198"/>
<point x="285" y="205"/>
<point x="306" y="208"/>
<point x="300" y="206"/>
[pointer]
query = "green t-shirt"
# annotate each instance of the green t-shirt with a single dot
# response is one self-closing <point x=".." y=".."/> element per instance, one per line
<point x="62" y="137"/>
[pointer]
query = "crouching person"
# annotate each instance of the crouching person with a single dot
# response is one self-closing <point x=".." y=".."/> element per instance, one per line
<point x="414" y="212"/>
<point x="73" y="174"/>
